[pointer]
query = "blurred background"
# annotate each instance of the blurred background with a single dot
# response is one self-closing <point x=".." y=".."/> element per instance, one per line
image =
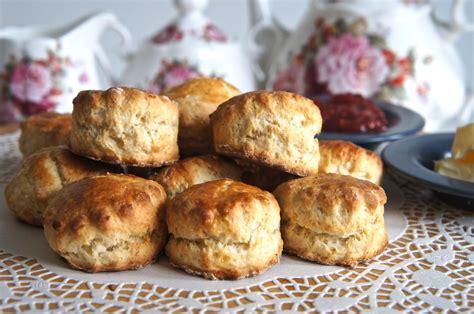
<point x="419" y="69"/>
<point x="146" y="17"/>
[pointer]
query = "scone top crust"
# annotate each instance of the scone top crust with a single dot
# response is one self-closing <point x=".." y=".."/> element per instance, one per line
<point x="125" y="125"/>
<point x="331" y="203"/>
<point x="55" y="166"/>
<point x="42" y="175"/>
<point x="197" y="99"/>
<point x="44" y="130"/>
<point x="223" y="210"/>
<point x="273" y="128"/>
<point x="205" y="89"/>
<point x="346" y="158"/>
<point x="278" y="103"/>
<point x="124" y="97"/>
<point x="195" y="170"/>
<point x="48" y="121"/>
<point x="106" y="204"/>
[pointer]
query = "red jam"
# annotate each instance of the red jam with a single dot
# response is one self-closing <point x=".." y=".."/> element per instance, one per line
<point x="351" y="113"/>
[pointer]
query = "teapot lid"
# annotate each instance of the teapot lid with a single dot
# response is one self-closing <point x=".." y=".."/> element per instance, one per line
<point x="190" y="23"/>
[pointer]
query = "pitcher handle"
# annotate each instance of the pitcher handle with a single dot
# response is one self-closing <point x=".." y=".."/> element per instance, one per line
<point x="125" y="53"/>
<point x="458" y="23"/>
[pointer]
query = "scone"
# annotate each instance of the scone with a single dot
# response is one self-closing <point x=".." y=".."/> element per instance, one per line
<point x="349" y="159"/>
<point x="232" y="230"/>
<point x="195" y="170"/>
<point x="42" y="176"/>
<point x="276" y="129"/>
<point x="332" y="219"/>
<point x="108" y="223"/>
<point x="44" y="130"/>
<point x="261" y="176"/>
<point x="125" y="126"/>
<point x="197" y="99"/>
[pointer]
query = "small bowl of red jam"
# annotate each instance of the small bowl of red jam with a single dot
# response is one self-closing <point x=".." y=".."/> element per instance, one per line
<point x="364" y="121"/>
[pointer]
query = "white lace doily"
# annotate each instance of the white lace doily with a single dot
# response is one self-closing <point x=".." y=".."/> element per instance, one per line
<point x="429" y="267"/>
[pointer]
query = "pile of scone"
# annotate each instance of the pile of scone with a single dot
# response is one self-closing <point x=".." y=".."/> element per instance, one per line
<point x="255" y="182"/>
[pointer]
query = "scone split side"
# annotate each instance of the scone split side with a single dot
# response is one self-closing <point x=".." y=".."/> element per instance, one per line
<point x="232" y="230"/>
<point x="276" y="129"/>
<point x="332" y="219"/>
<point x="108" y="223"/>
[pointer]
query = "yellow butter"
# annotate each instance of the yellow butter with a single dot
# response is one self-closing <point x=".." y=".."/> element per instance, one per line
<point x="461" y="164"/>
<point x="463" y="141"/>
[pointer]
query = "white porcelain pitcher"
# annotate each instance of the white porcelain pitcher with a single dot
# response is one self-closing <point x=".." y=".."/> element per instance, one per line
<point x="43" y="69"/>
<point x="189" y="46"/>
<point x="395" y="50"/>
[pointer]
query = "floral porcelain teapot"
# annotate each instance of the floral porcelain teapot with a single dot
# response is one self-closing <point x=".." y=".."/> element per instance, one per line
<point x="42" y="69"/>
<point x="394" y="50"/>
<point x="188" y="47"/>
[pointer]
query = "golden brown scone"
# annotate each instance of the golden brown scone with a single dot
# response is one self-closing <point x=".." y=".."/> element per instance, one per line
<point x="262" y="176"/>
<point x="349" y="159"/>
<point x="108" y="223"/>
<point x="195" y="170"/>
<point x="42" y="176"/>
<point x="332" y="219"/>
<point x="44" y="130"/>
<point x="125" y="126"/>
<point x="276" y="129"/>
<point x="197" y="99"/>
<point x="232" y="230"/>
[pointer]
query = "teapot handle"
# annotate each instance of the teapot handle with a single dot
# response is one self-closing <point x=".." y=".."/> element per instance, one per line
<point x="101" y="56"/>
<point x="264" y="39"/>
<point x="263" y="42"/>
<point x="458" y="23"/>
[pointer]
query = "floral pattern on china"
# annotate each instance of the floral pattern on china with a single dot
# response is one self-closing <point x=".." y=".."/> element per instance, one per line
<point x="399" y="51"/>
<point x="43" y="68"/>
<point x="172" y="33"/>
<point x="190" y="45"/>
<point x="30" y="86"/>
<point x="342" y="57"/>
<point x="173" y="73"/>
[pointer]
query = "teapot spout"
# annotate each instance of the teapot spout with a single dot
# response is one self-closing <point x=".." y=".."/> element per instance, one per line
<point x="88" y="32"/>
<point x="266" y="37"/>
<point x="91" y="28"/>
<point x="451" y="30"/>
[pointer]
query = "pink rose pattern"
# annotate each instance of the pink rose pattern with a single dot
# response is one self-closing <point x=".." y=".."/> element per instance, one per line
<point x="212" y="33"/>
<point x="349" y="64"/>
<point x="172" y="74"/>
<point x="30" y="82"/>
<point x="172" y="33"/>
<point x="27" y="86"/>
<point x="342" y="57"/>
<point x="291" y="80"/>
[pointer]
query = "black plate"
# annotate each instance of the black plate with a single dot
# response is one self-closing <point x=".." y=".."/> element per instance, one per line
<point x="403" y="122"/>
<point x="414" y="158"/>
